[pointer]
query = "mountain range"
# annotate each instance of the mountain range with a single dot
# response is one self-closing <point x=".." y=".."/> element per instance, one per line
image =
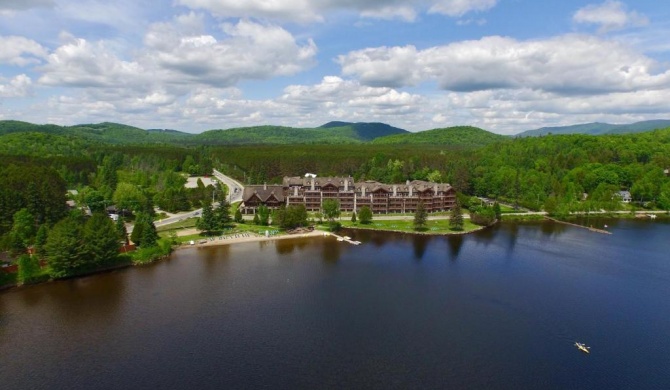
<point x="329" y="133"/>
<point x="597" y="128"/>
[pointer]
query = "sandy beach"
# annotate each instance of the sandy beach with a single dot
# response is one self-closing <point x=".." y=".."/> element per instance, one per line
<point x="246" y="237"/>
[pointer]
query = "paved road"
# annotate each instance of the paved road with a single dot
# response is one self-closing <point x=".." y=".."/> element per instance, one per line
<point x="235" y="188"/>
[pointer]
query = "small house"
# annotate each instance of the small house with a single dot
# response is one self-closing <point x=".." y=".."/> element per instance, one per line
<point x="625" y="196"/>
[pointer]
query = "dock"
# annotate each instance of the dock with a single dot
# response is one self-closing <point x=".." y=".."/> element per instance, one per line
<point x="344" y="238"/>
<point x="579" y="226"/>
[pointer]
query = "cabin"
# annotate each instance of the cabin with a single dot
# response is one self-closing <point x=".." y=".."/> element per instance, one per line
<point x="625" y="196"/>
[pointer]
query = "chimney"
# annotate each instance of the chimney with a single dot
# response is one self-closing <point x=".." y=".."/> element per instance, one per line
<point x="363" y="191"/>
<point x="410" y="191"/>
<point x="395" y="190"/>
<point x="407" y="183"/>
<point x="265" y="186"/>
<point x="313" y="183"/>
<point x="346" y="184"/>
<point x="295" y="191"/>
<point x="435" y="189"/>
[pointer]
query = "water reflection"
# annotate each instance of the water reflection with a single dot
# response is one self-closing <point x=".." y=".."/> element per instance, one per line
<point x="94" y="299"/>
<point x="455" y="244"/>
<point x="420" y="243"/>
<point x="330" y="250"/>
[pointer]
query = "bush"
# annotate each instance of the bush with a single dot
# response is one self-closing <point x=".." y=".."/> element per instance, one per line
<point x="153" y="253"/>
<point x="483" y="216"/>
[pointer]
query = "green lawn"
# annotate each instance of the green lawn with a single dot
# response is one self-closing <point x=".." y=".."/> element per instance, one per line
<point x="432" y="227"/>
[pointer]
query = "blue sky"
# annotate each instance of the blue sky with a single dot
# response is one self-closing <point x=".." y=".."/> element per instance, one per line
<point x="191" y="65"/>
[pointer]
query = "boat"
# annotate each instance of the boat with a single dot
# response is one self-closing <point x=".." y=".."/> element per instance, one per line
<point x="582" y="347"/>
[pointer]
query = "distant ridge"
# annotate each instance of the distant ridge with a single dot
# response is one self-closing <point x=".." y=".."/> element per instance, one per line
<point x="367" y="131"/>
<point x="462" y="136"/>
<point x="597" y="128"/>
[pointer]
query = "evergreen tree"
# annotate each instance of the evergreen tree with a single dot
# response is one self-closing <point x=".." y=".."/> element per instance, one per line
<point x="41" y="241"/>
<point x="238" y="216"/>
<point x="101" y="239"/>
<point x="206" y="222"/>
<point x="222" y="215"/>
<point x="257" y="219"/>
<point x="456" y="218"/>
<point x="149" y="234"/>
<point x="65" y="249"/>
<point x="365" y="215"/>
<point x="353" y="217"/>
<point x="420" y="217"/>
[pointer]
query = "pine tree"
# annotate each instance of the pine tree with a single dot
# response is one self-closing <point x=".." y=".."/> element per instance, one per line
<point x="101" y="239"/>
<point x="420" y="217"/>
<point x="222" y="215"/>
<point x="41" y="241"/>
<point x="65" y="249"/>
<point x="257" y="219"/>
<point x="238" y="216"/>
<point x="353" y="217"/>
<point x="206" y="222"/>
<point x="456" y="218"/>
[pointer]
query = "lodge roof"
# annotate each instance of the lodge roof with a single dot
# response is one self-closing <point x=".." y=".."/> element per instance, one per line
<point x="264" y="192"/>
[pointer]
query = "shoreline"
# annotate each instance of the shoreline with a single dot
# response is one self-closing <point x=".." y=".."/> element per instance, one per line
<point x="241" y="240"/>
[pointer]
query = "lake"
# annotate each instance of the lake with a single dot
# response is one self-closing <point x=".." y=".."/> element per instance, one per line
<point x="500" y="308"/>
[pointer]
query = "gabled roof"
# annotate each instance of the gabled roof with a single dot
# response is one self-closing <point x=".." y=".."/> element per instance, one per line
<point x="263" y="192"/>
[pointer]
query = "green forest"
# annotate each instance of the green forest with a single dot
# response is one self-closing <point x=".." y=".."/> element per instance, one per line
<point x="98" y="166"/>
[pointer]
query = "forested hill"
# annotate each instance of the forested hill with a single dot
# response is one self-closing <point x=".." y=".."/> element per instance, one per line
<point x="114" y="133"/>
<point x="597" y="128"/>
<point x="366" y="131"/>
<point x="464" y="136"/>
<point x="107" y="132"/>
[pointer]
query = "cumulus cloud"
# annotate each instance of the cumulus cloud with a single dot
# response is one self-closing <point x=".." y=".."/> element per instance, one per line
<point x="84" y="64"/>
<point x="20" y="51"/>
<point x="18" y="86"/>
<point x="610" y="15"/>
<point x="181" y="53"/>
<point x="249" y="51"/>
<point x="571" y="64"/>
<point x="313" y="10"/>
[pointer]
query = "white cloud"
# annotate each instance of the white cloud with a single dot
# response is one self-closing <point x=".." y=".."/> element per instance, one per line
<point x="314" y="10"/>
<point x="571" y="64"/>
<point x="461" y="7"/>
<point x="18" y="86"/>
<point x="249" y="51"/>
<point x="610" y="15"/>
<point x="178" y="54"/>
<point x="80" y="63"/>
<point x="20" y="51"/>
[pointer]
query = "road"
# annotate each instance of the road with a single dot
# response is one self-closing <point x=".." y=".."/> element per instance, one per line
<point x="235" y="188"/>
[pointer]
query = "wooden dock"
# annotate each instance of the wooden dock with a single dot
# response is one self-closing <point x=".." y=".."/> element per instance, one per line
<point x="345" y="239"/>
<point x="579" y="226"/>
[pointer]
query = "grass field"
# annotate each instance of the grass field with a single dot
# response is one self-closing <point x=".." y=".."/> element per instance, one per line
<point x="432" y="227"/>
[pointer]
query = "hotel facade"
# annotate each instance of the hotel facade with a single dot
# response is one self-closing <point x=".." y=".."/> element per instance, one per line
<point x="379" y="197"/>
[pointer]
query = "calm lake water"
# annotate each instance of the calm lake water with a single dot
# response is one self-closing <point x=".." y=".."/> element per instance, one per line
<point x="497" y="309"/>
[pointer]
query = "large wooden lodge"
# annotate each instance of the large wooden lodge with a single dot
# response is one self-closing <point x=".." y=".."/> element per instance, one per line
<point x="381" y="198"/>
